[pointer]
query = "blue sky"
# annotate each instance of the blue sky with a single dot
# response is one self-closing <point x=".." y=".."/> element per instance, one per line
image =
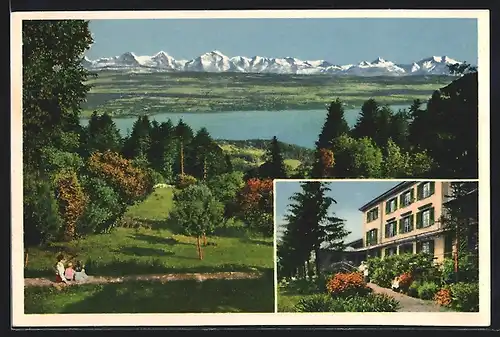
<point x="338" y="40"/>
<point x="350" y="196"/>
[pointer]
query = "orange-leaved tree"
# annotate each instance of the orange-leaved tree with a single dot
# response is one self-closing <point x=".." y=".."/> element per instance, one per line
<point x="132" y="183"/>
<point x="256" y="204"/>
<point x="72" y="201"/>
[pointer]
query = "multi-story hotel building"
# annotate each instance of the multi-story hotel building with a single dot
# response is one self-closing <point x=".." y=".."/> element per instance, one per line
<point x="406" y="219"/>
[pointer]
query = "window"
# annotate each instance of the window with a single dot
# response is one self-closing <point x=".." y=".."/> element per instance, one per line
<point x="406" y="249"/>
<point x="372" y="215"/>
<point x="425" y="218"/>
<point x="406" y="224"/>
<point x="390" y="251"/>
<point x="406" y="198"/>
<point x="391" y="205"/>
<point x="390" y="229"/>
<point x="425" y="190"/>
<point x="426" y="247"/>
<point x="371" y="237"/>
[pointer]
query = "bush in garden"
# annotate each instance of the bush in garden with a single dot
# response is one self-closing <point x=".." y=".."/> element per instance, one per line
<point x="156" y="176"/>
<point x="302" y="286"/>
<point x="368" y="303"/>
<point x="315" y="303"/>
<point x="468" y="269"/>
<point x="465" y="296"/>
<point x="347" y="284"/>
<point x="383" y="271"/>
<point x="413" y="289"/>
<point x="405" y="281"/>
<point x="185" y="180"/>
<point x="443" y="297"/>
<point x="427" y="290"/>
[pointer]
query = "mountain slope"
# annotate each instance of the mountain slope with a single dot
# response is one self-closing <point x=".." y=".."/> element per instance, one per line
<point x="216" y="61"/>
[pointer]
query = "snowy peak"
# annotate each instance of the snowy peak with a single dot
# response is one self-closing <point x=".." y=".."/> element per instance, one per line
<point x="216" y="61"/>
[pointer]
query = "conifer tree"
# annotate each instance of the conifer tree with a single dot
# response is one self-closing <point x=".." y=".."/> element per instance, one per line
<point x="310" y="226"/>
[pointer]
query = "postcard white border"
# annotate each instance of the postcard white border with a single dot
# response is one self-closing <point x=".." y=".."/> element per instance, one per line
<point x="19" y="319"/>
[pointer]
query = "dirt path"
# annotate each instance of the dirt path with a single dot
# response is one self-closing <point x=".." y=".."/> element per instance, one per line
<point x="408" y="304"/>
<point x="45" y="282"/>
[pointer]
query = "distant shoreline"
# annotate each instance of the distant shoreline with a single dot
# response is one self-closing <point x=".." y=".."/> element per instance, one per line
<point x="87" y="114"/>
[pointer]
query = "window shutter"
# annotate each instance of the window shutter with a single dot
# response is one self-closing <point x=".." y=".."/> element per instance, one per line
<point x="400" y="226"/>
<point x="432" y="187"/>
<point x="412" y="195"/>
<point x="375" y="235"/>
<point x="367" y="239"/>
<point x="431" y="215"/>
<point x="387" y="205"/>
<point x="395" y="203"/>
<point x="401" y="200"/>
<point x="431" y="247"/>
<point x="419" y="220"/>
<point x="418" y="247"/>
<point x="419" y="191"/>
<point x="411" y="222"/>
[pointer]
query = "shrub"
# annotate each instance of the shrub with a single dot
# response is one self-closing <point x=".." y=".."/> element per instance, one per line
<point x="443" y="297"/>
<point x="72" y="201"/>
<point x="383" y="271"/>
<point x="368" y="303"/>
<point x="315" y="303"/>
<point x="132" y="183"/>
<point x="156" y="177"/>
<point x="405" y="281"/>
<point x="413" y="289"/>
<point x="468" y="269"/>
<point x="41" y="219"/>
<point x="302" y="286"/>
<point x="465" y="296"/>
<point x="427" y="290"/>
<point x="347" y="284"/>
<point x="185" y="180"/>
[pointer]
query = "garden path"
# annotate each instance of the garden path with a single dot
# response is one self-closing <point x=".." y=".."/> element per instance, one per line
<point x="45" y="282"/>
<point x="408" y="303"/>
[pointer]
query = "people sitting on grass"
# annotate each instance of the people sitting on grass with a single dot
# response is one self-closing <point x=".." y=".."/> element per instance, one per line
<point x="60" y="278"/>
<point x="80" y="275"/>
<point x="395" y="284"/>
<point x="69" y="273"/>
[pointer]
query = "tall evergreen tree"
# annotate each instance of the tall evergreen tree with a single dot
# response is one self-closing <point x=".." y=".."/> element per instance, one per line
<point x="137" y="144"/>
<point x="310" y="225"/>
<point x="366" y="125"/>
<point x="460" y="219"/>
<point x="101" y="134"/>
<point x="399" y="129"/>
<point x="274" y="167"/>
<point x="184" y="135"/>
<point x="162" y="150"/>
<point x="383" y="126"/>
<point x="334" y="126"/>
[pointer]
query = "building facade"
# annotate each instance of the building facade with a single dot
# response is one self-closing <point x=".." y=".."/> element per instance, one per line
<point x="406" y="219"/>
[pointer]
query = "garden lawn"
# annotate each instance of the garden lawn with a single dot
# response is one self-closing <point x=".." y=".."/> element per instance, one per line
<point x="246" y="295"/>
<point x="155" y="250"/>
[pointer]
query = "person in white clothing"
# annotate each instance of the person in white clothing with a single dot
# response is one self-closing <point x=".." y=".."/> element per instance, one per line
<point x="364" y="269"/>
<point x="60" y="278"/>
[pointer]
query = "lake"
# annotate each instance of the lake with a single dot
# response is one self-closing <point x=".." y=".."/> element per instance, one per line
<point x="300" y="127"/>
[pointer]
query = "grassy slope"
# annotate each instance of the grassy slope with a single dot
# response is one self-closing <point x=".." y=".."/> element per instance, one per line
<point x="125" y="94"/>
<point x="254" y="295"/>
<point x="156" y="250"/>
<point x="245" y="157"/>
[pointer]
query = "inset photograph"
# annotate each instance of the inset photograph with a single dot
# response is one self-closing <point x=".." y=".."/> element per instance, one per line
<point x="377" y="246"/>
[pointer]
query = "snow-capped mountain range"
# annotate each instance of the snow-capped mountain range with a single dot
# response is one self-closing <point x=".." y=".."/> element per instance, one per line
<point x="215" y="61"/>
